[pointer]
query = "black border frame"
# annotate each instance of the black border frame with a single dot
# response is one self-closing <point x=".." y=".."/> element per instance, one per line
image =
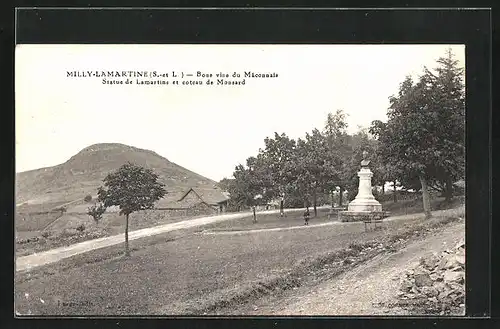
<point x="294" y="25"/>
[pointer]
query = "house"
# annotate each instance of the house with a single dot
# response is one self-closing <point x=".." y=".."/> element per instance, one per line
<point x="195" y="201"/>
<point x="212" y="197"/>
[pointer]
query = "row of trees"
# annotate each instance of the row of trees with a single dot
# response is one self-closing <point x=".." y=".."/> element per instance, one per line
<point x="420" y="147"/>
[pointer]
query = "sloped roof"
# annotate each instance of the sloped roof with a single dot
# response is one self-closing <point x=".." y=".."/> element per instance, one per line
<point x="170" y="200"/>
<point x="211" y="196"/>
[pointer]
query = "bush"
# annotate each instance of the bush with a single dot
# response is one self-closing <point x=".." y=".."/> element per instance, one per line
<point x="61" y="209"/>
<point x="80" y="228"/>
<point x="45" y="234"/>
<point x="88" y="198"/>
<point x="96" y="212"/>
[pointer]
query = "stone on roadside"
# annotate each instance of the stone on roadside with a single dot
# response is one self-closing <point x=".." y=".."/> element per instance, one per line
<point x="436" y="276"/>
<point x="452" y="262"/>
<point x="460" y="259"/>
<point x="460" y="244"/>
<point x="442" y="263"/>
<point x="430" y="291"/>
<point x="453" y="276"/>
<point x="423" y="279"/>
<point x="406" y="285"/>
<point x="429" y="261"/>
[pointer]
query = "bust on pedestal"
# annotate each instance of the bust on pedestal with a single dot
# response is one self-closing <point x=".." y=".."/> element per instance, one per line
<point x="365" y="201"/>
<point x="364" y="207"/>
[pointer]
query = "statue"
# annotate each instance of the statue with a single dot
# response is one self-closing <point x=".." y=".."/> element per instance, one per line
<point x="365" y="161"/>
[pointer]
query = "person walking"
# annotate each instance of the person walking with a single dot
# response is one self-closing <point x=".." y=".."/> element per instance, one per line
<point x="307" y="215"/>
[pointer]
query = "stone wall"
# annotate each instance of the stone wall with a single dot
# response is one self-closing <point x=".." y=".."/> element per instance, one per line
<point x="350" y="216"/>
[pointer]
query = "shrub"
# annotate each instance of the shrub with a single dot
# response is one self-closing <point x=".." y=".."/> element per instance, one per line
<point x="80" y="228"/>
<point x="96" y="212"/>
<point x="61" y="209"/>
<point x="88" y="198"/>
<point x="46" y="234"/>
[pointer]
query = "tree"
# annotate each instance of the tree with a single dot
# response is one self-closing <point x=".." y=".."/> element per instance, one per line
<point x="304" y="183"/>
<point x="405" y="138"/>
<point x="338" y="152"/>
<point x="312" y="170"/>
<point x="277" y="157"/>
<point x="131" y="188"/>
<point x="249" y="188"/>
<point x="96" y="211"/>
<point x="448" y="103"/>
<point x="225" y="184"/>
<point x="424" y="134"/>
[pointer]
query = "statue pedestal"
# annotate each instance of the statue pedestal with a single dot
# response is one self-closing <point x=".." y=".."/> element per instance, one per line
<point x="364" y="201"/>
<point x="364" y="207"/>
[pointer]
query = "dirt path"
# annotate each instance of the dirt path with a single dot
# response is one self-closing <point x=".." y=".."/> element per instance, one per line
<point x="54" y="255"/>
<point x="447" y="212"/>
<point x="359" y="291"/>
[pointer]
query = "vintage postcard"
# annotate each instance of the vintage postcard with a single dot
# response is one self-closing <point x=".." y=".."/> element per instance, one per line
<point x="252" y="179"/>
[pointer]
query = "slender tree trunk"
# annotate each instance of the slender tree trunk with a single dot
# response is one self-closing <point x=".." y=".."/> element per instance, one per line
<point x="281" y="208"/>
<point x="315" y="201"/>
<point x="340" y="196"/>
<point x="448" y="189"/>
<point x="395" y="194"/>
<point x="333" y="199"/>
<point x="383" y="188"/>
<point x="425" y="197"/>
<point x="127" y="251"/>
<point x="254" y="215"/>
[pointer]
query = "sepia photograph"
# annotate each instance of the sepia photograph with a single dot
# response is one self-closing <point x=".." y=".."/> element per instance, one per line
<point x="240" y="180"/>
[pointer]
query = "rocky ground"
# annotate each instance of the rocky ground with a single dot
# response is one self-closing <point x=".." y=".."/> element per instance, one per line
<point x="437" y="284"/>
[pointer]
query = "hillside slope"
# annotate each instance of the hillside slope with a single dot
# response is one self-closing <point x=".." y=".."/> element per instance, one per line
<point x="83" y="173"/>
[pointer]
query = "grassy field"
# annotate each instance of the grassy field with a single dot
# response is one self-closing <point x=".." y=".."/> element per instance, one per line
<point x="185" y="271"/>
<point x="60" y="235"/>
<point x="61" y="230"/>
<point x="30" y="222"/>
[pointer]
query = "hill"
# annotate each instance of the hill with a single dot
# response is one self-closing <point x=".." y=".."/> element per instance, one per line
<point x="83" y="173"/>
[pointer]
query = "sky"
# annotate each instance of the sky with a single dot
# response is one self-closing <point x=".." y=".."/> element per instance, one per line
<point x="208" y="129"/>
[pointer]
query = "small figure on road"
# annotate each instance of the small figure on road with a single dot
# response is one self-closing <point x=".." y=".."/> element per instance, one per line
<point x="307" y="215"/>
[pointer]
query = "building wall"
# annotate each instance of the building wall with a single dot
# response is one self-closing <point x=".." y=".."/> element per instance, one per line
<point x="191" y="199"/>
<point x="196" y="210"/>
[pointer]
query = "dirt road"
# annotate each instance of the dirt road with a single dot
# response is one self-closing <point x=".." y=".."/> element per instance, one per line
<point x="57" y="254"/>
<point x="361" y="290"/>
<point x="54" y="255"/>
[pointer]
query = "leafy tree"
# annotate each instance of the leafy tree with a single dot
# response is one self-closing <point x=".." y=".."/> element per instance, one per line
<point x="225" y="184"/>
<point x="303" y="185"/>
<point x="447" y="102"/>
<point x="424" y="134"/>
<point x="312" y="169"/>
<point x="131" y="188"/>
<point x="249" y="188"/>
<point x="228" y="185"/>
<point x="96" y="211"/>
<point x="278" y="156"/>
<point x="404" y="138"/>
<point x="338" y="152"/>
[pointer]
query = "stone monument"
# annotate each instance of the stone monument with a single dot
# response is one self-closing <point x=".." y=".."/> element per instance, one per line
<point x="364" y="207"/>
